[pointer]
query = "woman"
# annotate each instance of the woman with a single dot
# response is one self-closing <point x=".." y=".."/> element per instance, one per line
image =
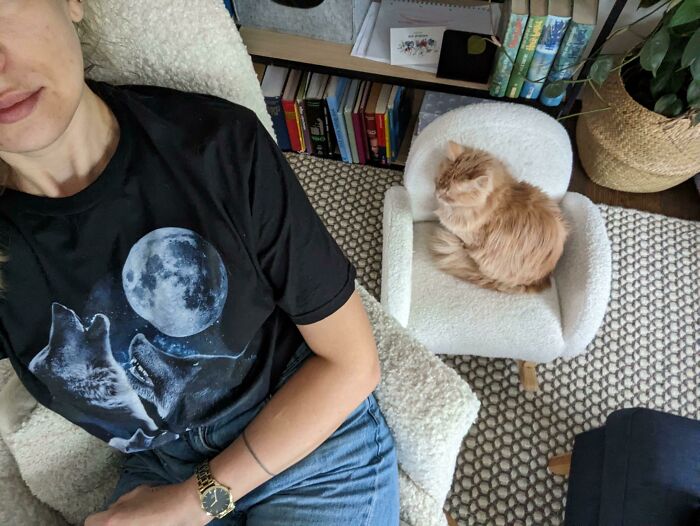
<point x="169" y="288"/>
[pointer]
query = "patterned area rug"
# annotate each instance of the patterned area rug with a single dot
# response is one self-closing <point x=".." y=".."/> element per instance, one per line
<point x="647" y="353"/>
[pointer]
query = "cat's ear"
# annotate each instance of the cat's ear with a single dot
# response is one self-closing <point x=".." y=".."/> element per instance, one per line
<point x="454" y="150"/>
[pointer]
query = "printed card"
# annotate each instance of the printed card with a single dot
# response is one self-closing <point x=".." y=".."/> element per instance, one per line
<point x="416" y="45"/>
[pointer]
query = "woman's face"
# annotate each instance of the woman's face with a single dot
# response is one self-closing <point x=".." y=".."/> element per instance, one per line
<point x="41" y="71"/>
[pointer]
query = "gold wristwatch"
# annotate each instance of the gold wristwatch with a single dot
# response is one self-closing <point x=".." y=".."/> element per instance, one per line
<point x="216" y="499"/>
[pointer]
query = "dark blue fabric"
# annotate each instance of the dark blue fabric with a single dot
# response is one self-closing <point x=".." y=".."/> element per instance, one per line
<point x="650" y="472"/>
<point x="583" y="498"/>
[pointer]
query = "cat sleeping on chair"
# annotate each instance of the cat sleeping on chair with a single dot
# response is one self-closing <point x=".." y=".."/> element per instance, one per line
<point x="496" y="232"/>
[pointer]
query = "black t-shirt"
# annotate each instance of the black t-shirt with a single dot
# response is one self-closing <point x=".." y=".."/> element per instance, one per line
<point x="164" y="295"/>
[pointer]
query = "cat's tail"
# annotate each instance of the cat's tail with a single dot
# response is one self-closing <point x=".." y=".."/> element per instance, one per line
<point x="452" y="257"/>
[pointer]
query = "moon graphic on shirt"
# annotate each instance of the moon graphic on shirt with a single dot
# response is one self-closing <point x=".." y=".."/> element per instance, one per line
<point x="175" y="279"/>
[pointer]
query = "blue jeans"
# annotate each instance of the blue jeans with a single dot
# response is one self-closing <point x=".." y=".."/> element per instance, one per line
<point x="352" y="478"/>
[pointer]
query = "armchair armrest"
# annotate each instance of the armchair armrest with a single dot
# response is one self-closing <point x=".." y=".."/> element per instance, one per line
<point x="397" y="254"/>
<point x="583" y="274"/>
<point x="428" y="407"/>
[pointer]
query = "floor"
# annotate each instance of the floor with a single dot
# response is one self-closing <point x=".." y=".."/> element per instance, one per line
<point x="501" y="475"/>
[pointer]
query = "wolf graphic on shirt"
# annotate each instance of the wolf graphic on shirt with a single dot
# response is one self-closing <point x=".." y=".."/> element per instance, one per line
<point x="175" y="281"/>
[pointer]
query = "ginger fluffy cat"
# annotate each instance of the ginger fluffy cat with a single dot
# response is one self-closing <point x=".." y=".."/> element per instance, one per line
<point x="497" y="232"/>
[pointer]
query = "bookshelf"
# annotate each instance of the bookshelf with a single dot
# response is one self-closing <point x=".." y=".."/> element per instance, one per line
<point x="292" y="50"/>
<point x="295" y="51"/>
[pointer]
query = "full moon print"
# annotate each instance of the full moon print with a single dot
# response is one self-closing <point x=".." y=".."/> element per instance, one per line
<point x="175" y="279"/>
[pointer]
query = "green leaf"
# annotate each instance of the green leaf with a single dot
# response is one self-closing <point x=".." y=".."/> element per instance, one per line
<point x="554" y="90"/>
<point x="669" y="105"/>
<point x="654" y="50"/>
<point x="696" y="119"/>
<point x="688" y="11"/>
<point x="601" y="69"/>
<point x="694" y="94"/>
<point x="695" y="69"/>
<point x="691" y="53"/>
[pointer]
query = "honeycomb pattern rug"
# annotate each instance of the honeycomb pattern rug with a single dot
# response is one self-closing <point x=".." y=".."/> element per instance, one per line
<point x="647" y="353"/>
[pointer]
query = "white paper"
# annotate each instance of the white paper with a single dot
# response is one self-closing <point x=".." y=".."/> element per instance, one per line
<point x="359" y="49"/>
<point x="416" y="45"/>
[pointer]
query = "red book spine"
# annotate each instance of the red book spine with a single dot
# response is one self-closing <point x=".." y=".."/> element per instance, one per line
<point x="372" y="142"/>
<point x="290" y="118"/>
<point x="381" y="137"/>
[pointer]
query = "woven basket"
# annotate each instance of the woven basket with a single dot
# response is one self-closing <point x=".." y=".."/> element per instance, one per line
<point x="631" y="148"/>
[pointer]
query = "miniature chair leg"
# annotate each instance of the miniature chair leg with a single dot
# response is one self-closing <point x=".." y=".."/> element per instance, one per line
<point x="560" y="465"/>
<point x="450" y="519"/>
<point x="528" y="375"/>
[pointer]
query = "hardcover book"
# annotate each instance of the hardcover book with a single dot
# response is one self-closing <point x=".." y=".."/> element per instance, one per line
<point x="291" y="113"/>
<point x="533" y="30"/>
<point x="348" y="105"/>
<point x="547" y="47"/>
<point x="272" y="88"/>
<point x="380" y="122"/>
<point x="371" y="121"/>
<point x="301" y="108"/>
<point x="358" y="120"/>
<point x="315" y="115"/>
<point x="334" y="97"/>
<point x="573" y="46"/>
<point x="512" y="27"/>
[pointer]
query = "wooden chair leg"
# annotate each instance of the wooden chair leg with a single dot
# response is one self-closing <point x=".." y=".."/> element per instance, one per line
<point x="528" y="376"/>
<point x="450" y="519"/>
<point x="560" y="465"/>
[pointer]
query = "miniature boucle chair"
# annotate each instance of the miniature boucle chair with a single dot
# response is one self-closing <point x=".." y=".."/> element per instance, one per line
<point x="451" y="316"/>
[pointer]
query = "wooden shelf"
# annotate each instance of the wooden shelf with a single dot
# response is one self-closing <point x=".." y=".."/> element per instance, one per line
<point x="271" y="46"/>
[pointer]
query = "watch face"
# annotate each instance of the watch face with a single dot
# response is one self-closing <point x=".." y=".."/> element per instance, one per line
<point x="216" y="500"/>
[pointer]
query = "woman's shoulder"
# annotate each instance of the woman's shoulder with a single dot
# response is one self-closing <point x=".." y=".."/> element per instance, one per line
<point x="193" y="111"/>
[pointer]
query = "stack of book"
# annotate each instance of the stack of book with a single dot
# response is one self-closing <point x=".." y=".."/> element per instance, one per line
<point x="543" y="42"/>
<point x="336" y="117"/>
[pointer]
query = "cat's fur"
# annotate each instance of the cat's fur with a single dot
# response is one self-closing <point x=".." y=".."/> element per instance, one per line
<point x="499" y="233"/>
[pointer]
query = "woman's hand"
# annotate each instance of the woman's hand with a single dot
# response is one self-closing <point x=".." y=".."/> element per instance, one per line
<point x="167" y="505"/>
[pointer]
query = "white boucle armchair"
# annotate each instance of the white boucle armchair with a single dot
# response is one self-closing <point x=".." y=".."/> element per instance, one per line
<point x="452" y="316"/>
<point x="53" y="472"/>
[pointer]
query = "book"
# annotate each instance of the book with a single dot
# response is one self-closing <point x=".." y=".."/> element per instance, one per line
<point x="584" y="19"/>
<point x="301" y="109"/>
<point x="272" y="88"/>
<point x="558" y="17"/>
<point x="371" y="121"/>
<point x="390" y="111"/>
<point x="533" y="30"/>
<point x="512" y="26"/>
<point x="334" y="97"/>
<point x="291" y="112"/>
<point x="380" y="123"/>
<point x="315" y="115"/>
<point x="358" y="121"/>
<point x="348" y="105"/>
<point x="400" y="118"/>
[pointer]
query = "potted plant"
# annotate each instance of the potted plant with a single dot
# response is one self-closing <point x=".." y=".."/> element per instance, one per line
<point x="639" y="128"/>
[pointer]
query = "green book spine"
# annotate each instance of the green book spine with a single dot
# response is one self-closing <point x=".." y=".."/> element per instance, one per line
<point x="527" y="50"/>
<point x="506" y="55"/>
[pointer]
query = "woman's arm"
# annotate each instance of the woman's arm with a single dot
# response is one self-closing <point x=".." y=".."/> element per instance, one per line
<point x="309" y="407"/>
